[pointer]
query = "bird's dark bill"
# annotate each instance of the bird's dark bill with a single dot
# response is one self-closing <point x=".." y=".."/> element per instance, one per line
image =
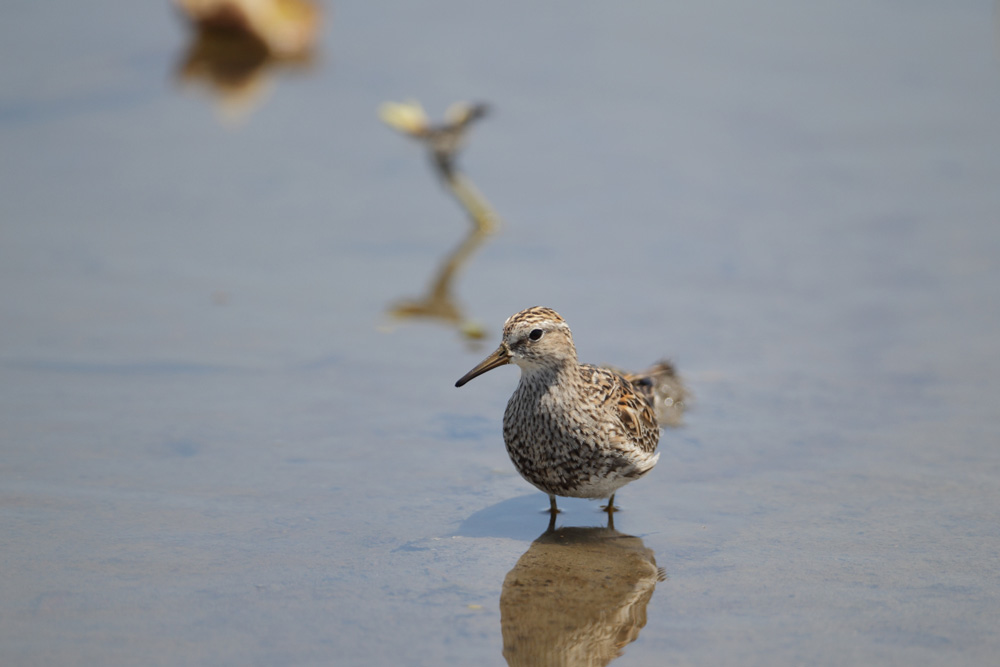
<point x="498" y="358"/>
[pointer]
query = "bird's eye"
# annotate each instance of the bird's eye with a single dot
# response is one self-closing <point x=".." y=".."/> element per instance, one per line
<point x="535" y="334"/>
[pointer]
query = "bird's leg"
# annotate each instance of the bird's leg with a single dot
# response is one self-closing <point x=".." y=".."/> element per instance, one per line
<point x="553" y="511"/>
<point x="610" y="507"/>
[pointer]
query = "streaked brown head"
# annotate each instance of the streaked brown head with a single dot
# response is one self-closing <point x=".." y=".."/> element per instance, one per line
<point x="536" y="338"/>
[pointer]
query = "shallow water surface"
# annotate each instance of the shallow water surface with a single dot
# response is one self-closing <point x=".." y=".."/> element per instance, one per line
<point x="231" y="331"/>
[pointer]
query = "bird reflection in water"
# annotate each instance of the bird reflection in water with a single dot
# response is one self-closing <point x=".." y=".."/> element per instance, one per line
<point x="443" y="142"/>
<point x="577" y="596"/>
<point x="236" y="45"/>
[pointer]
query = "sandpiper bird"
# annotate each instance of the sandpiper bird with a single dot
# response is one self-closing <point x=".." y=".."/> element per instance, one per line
<point x="573" y="429"/>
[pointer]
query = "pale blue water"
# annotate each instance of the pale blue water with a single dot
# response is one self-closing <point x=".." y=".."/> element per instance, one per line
<point x="218" y="447"/>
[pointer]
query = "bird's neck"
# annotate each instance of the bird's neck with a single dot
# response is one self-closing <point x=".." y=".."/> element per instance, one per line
<point x="541" y="377"/>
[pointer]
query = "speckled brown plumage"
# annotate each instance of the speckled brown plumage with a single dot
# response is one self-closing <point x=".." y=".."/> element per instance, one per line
<point x="575" y="429"/>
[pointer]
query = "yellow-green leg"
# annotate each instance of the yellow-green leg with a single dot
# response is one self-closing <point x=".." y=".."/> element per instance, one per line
<point x="610" y="507"/>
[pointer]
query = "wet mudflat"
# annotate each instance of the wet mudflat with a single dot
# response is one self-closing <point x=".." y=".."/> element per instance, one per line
<point x="228" y="425"/>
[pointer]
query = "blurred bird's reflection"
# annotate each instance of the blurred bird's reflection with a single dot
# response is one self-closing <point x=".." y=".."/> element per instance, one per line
<point x="439" y="302"/>
<point x="443" y="142"/>
<point x="236" y="45"/>
<point x="577" y="596"/>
